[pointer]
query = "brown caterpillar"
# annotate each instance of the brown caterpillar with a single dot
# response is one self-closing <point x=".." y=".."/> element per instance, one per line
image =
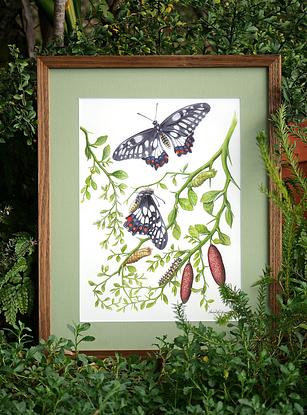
<point x="201" y="177"/>
<point x="136" y="256"/>
<point x="216" y="265"/>
<point x="170" y="272"/>
<point x="186" y="283"/>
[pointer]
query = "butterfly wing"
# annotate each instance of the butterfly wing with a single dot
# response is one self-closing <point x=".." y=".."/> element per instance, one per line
<point x="179" y="127"/>
<point x="147" y="220"/>
<point x="145" y="145"/>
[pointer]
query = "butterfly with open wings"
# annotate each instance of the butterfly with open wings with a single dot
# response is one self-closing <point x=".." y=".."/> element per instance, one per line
<point x="177" y="129"/>
<point x="145" y="219"/>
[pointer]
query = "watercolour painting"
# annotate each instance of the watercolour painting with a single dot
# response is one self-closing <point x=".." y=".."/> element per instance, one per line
<point x="159" y="183"/>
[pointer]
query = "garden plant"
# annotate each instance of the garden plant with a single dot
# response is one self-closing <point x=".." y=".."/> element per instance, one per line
<point x="254" y="364"/>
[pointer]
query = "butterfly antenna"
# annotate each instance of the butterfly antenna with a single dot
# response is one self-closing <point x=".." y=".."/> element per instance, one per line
<point x="157" y="197"/>
<point x="156" y="111"/>
<point x="144" y="116"/>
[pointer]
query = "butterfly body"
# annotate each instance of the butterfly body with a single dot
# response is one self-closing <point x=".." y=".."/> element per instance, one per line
<point x="145" y="219"/>
<point x="177" y="129"/>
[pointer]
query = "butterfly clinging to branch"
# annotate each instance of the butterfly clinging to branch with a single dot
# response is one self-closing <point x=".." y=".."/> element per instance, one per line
<point x="177" y="129"/>
<point x="145" y="219"/>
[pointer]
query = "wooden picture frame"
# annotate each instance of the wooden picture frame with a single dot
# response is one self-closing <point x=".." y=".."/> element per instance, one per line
<point x="50" y="66"/>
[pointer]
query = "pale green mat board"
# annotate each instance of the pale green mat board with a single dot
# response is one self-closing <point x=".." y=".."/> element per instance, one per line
<point x="66" y="87"/>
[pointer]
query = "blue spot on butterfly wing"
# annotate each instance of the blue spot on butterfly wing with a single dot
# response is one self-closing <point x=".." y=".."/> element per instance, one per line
<point x="157" y="162"/>
<point x="186" y="147"/>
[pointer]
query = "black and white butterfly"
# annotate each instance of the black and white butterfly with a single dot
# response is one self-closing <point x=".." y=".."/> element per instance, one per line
<point x="145" y="219"/>
<point x="178" y="129"/>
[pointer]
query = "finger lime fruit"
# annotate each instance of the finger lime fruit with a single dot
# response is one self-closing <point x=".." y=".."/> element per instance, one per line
<point x="216" y="265"/>
<point x="186" y="283"/>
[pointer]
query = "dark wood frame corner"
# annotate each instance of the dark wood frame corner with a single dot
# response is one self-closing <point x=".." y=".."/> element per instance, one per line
<point x="45" y="63"/>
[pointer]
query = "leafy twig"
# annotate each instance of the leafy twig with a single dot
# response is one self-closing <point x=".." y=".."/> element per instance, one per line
<point x="129" y="289"/>
<point x="111" y="217"/>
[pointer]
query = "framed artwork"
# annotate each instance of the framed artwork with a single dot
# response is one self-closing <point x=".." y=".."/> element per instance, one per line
<point x="148" y="191"/>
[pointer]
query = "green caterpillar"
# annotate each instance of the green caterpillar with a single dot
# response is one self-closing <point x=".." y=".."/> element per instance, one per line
<point x="201" y="177"/>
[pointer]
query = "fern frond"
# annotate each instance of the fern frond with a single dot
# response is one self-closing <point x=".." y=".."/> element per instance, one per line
<point x="15" y="285"/>
<point x="283" y="131"/>
<point x="299" y="132"/>
<point x="262" y="295"/>
<point x="274" y="196"/>
<point x="288" y="247"/>
<point x="237" y="300"/>
<point x="273" y="169"/>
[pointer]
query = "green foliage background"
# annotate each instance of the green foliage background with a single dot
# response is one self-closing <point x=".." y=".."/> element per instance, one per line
<point x="127" y="28"/>
<point x="258" y="367"/>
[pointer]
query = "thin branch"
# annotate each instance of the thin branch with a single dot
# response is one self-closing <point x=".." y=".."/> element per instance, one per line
<point x="58" y="22"/>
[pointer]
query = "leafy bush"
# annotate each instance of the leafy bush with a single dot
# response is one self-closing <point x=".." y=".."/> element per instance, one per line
<point x="134" y="27"/>
<point x="17" y="105"/>
<point x="250" y="370"/>
<point x="257" y="366"/>
<point x="44" y="379"/>
<point x="243" y="372"/>
<point x="16" y="291"/>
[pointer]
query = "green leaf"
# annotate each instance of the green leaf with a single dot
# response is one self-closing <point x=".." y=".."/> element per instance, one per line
<point x="131" y="269"/>
<point x="299" y="408"/>
<point x="120" y="174"/>
<point x="123" y="186"/>
<point x="208" y="207"/>
<point x="93" y="185"/>
<point x="196" y="263"/>
<point x="84" y="326"/>
<point x="87" y="195"/>
<point x="100" y="141"/>
<point x="225" y="240"/>
<point x="70" y="328"/>
<point x="163" y="186"/>
<point x="37" y="356"/>
<point x="201" y="229"/>
<point x="184" y="168"/>
<point x="176" y="231"/>
<point x="210" y="196"/>
<point x="193" y="232"/>
<point x="172" y="215"/>
<point x="192" y="196"/>
<point x="149" y="305"/>
<point x="106" y="152"/>
<point x="164" y="298"/>
<point x="88" y="153"/>
<point x="185" y="204"/>
<point x="88" y="338"/>
<point x="229" y="217"/>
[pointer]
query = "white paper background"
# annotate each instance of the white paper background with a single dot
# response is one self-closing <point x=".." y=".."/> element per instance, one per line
<point x="118" y="119"/>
